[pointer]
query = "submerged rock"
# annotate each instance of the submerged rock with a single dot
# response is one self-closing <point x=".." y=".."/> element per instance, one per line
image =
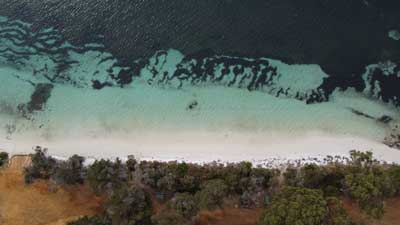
<point x="192" y="105"/>
<point x="393" y="139"/>
<point x="359" y="113"/>
<point x="394" y="34"/>
<point x="385" y="119"/>
<point x="38" y="99"/>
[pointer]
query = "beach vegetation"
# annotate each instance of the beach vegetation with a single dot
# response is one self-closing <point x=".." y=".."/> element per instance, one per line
<point x="70" y="172"/>
<point x="168" y="217"/>
<point x="298" y="205"/>
<point x="308" y="194"/>
<point x="42" y="166"/>
<point x="106" y="175"/>
<point x="368" y="183"/>
<point x="185" y="205"/>
<point x="93" y="220"/>
<point x="212" y="194"/>
<point x="394" y="175"/>
<point x="3" y="158"/>
<point x="129" y="205"/>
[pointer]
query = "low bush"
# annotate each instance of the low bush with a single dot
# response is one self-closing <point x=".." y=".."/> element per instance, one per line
<point x="298" y="205"/>
<point x="3" y="158"/>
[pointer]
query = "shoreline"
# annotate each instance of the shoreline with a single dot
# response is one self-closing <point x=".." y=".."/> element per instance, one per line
<point x="206" y="147"/>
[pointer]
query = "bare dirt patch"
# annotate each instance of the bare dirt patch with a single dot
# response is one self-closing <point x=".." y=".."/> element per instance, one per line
<point x="231" y="216"/>
<point x="40" y="204"/>
<point x="391" y="217"/>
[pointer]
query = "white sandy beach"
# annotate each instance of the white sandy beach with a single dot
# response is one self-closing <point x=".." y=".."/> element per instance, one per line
<point x="207" y="147"/>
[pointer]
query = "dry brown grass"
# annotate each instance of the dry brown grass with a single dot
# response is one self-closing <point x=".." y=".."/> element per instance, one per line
<point x="38" y="204"/>
<point x="231" y="216"/>
<point x="391" y="217"/>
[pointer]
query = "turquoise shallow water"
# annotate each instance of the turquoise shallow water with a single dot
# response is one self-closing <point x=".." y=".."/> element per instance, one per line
<point x="57" y="94"/>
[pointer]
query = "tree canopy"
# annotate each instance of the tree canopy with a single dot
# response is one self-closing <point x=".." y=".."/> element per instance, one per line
<point x="303" y="206"/>
<point x="129" y="205"/>
<point x="3" y="158"/>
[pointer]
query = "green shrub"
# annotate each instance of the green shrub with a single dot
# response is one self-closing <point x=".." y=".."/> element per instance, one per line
<point x="291" y="176"/>
<point x="105" y="175"/>
<point x="368" y="183"/>
<point x="129" y="205"/>
<point x="394" y="174"/>
<point x="3" y="158"/>
<point x="337" y="215"/>
<point x="69" y="172"/>
<point x="42" y="167"/>
<point x="185" y="205"/>
<point x="95" y="220"/>
<point x="212" y="194"/>
<point x="296" y="205"/>
<point x="45" y="167"/>
<point x="168" y="217"/>
<point x="365" y="190"/>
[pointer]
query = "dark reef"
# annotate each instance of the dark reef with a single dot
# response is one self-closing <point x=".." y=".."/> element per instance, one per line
<point x="340" y="35"/>
<point x="38" y="99"/>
